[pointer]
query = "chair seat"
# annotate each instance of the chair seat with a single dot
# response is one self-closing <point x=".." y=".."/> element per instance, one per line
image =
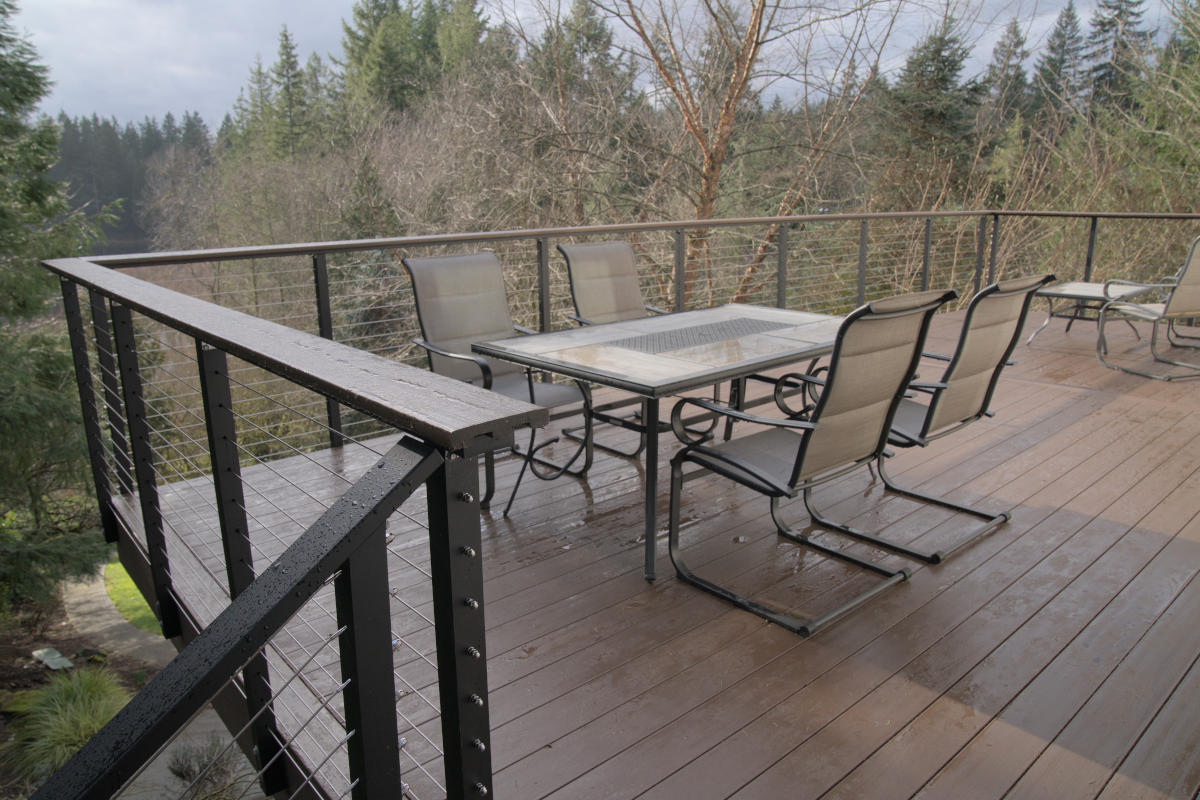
<point x="546" y="395"/>
<point x="1147" y="311"/>
<point x="771" y="453"/>
<point x="910" y="419"/>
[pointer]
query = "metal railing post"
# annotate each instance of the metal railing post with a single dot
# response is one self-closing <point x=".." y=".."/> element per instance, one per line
<point x="926" y="253"/>
<point x="212" y="365"/>
<point x="781" y="268"/>
<point x="457" y="570"/>
<point x="995" y="248"/>
<point x="860" y="295"/>
<point x="1091" y="250"/>
<point x="333" y="411"/>
<point x="87" y="401"/>
<point x="680" y="269"/>
<point x="543" y="273"/>
<point x="144" y="469"/>
<point x="110" y="382"/>
<point x="365" y="645"/>
<point x="980" y="239"/>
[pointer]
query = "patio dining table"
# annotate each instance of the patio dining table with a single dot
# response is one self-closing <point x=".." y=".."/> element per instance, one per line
<point x="660" y="356"/>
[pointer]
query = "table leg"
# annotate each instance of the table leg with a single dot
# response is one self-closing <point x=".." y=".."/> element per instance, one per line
<point x="651" y="484"/>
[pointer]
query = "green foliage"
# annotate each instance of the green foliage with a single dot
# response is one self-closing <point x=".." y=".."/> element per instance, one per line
<point x="128" y="598"/>
<point x="54" y="721"/>
<point x="1059" y="73"/>
<point x="1116" y="45"/>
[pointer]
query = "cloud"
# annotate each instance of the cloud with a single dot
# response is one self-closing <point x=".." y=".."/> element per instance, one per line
<point x="137" y="58"/>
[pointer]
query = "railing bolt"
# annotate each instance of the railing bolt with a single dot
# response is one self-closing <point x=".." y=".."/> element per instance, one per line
<point x="471" y="602"/>
<point x="475" y="700"/>
<point x="403" y="743"/>
<point x="473" y="652"/>
<point x="480" y="789"/>
<point x="479" y="745"/>
<point x="469" y="552"/>
<point x="466" y="497"/>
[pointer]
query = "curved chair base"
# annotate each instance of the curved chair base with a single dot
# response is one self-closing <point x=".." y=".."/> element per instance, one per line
<point x="805" y="626"/>
<point x="1174" y="338"/>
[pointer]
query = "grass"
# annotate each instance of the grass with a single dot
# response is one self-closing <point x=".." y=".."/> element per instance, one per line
<point x="128" y="600"/>
<point x="53" y="721"/>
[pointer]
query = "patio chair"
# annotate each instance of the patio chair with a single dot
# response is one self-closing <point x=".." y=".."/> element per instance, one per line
<point x="460" y="299"/>
<point x="1182" y="302"/>
<point x="605" y="288"/>
<point x="991" y="327"/>
<point x="874" y="357"/>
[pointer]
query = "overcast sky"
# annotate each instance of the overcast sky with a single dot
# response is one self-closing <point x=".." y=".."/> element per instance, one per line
<point x="137" y="58"/>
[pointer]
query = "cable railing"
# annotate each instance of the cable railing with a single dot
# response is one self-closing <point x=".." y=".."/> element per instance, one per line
<point x="304" y="583"/>
<point x="242" y="410"/>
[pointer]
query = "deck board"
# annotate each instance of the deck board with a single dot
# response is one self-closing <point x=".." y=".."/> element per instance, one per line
<point x="1057" y="657"/>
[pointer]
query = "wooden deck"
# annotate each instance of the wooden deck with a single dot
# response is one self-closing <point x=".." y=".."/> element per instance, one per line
<point x="1057" y="658"/>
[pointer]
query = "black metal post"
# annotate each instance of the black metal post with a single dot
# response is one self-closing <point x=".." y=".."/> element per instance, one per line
<point x="102" y="334"/>
<point x="543" y="273"/>
<point x="926" y="254"/>
<point x="781" y="267"/>
<point x="980" y="239"/>
<point x="457" y="569"/>
<point x="1091" y="251"/>
<point x="144" y="470"/>
<point x="861" y="291"/>
<point x="680" y="269"/>
<point x="995" y="248"/>
<point x="213" y="367"/>
<point x="333" y="411"/>
<point x="87" y="401"/>
<point x="363" y="608"/>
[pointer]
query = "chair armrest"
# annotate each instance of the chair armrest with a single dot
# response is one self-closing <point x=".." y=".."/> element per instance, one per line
<point x="485" y="369"/>
<point x="655" y="309"/>
<point x="1165" y="284"/>
<point x="937" y="356"/>
<point x="579" y="319"/>
<point x="523" y="330"/>
<point x="931" y="387"/>
<point x="684" y="436"/>
<point x="789" y="381"/>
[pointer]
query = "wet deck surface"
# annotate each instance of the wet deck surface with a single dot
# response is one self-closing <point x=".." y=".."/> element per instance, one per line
<point x="1056" y="658"/>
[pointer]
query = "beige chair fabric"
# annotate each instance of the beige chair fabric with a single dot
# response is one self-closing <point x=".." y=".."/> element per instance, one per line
<point x="1182" y="304"/>
<point x="991" y="327"/>
<point x="604" y="282"/>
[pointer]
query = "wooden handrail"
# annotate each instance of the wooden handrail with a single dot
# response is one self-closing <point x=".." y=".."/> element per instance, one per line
<point x="447" y="413"/>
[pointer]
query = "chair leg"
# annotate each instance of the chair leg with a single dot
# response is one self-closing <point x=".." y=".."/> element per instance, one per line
<point x="1195" y="368"/>
<point x="626" y="422"/>
<point x="1177" y="339"/>
<point x="990" y="522"/>
<point x="1102" y="350"/>
<point x="801" y="625"/>
<point x="525" y="464"/>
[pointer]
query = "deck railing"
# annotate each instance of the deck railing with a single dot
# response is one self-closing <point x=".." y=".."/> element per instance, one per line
<point x="300" y="645"/>
<point x="236" y="400"/>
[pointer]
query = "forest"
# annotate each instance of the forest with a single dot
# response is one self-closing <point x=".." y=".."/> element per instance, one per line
<point x="435" y="118"/>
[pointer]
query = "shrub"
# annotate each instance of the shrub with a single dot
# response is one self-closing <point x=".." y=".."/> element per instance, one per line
<point x="52" y="722"/>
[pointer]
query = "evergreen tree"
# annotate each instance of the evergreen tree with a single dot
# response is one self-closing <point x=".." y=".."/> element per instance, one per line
<point x="1058" y="76"/>
<point x="43" y="535"/>
<point x="291" y="104"/>
<point x="1008" y="86"/>
<point x="1115" y="44"/>
<point x="458" y="31"/>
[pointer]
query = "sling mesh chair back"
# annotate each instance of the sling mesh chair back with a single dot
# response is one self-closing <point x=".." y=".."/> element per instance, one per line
<point x="990" y="330"/>
<point x="605" y="288"/>
<point x="604" y="282"/>
<point x="461" y="299"/>
<point x="874" y="357"/>
<point x="1182" y="303"/>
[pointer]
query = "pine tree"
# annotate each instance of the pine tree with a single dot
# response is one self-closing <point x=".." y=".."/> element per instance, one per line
<point x="1008" y="86"/>
<point x="291" y="103"/>
<point x="41" y="534"/>
<point x="1058" y="76"/>
<point x="1115" y="44"/>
